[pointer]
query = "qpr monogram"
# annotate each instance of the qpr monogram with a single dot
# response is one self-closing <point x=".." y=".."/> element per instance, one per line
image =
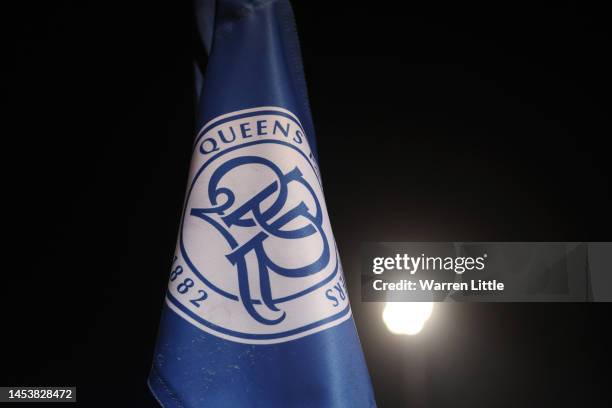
<point x="256" y="260"/>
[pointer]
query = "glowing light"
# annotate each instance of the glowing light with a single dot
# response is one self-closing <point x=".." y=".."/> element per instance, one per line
<point x="406" y="317"/>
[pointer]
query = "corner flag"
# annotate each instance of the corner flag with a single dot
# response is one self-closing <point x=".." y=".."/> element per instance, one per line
<point x="256" y="313"/>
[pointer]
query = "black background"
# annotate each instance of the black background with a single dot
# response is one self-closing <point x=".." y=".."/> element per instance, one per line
<point x="449" y="121"/>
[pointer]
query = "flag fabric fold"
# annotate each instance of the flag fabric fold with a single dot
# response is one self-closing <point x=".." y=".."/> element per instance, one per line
<point x="256" y="313"/>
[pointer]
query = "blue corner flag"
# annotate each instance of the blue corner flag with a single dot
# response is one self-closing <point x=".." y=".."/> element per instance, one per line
<point x="256" y="313"/>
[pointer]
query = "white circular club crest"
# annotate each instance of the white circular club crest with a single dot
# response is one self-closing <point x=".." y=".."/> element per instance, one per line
<point x="256" y="260"/>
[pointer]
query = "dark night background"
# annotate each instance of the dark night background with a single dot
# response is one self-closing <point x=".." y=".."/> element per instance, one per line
<point x="435" y="122"/>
